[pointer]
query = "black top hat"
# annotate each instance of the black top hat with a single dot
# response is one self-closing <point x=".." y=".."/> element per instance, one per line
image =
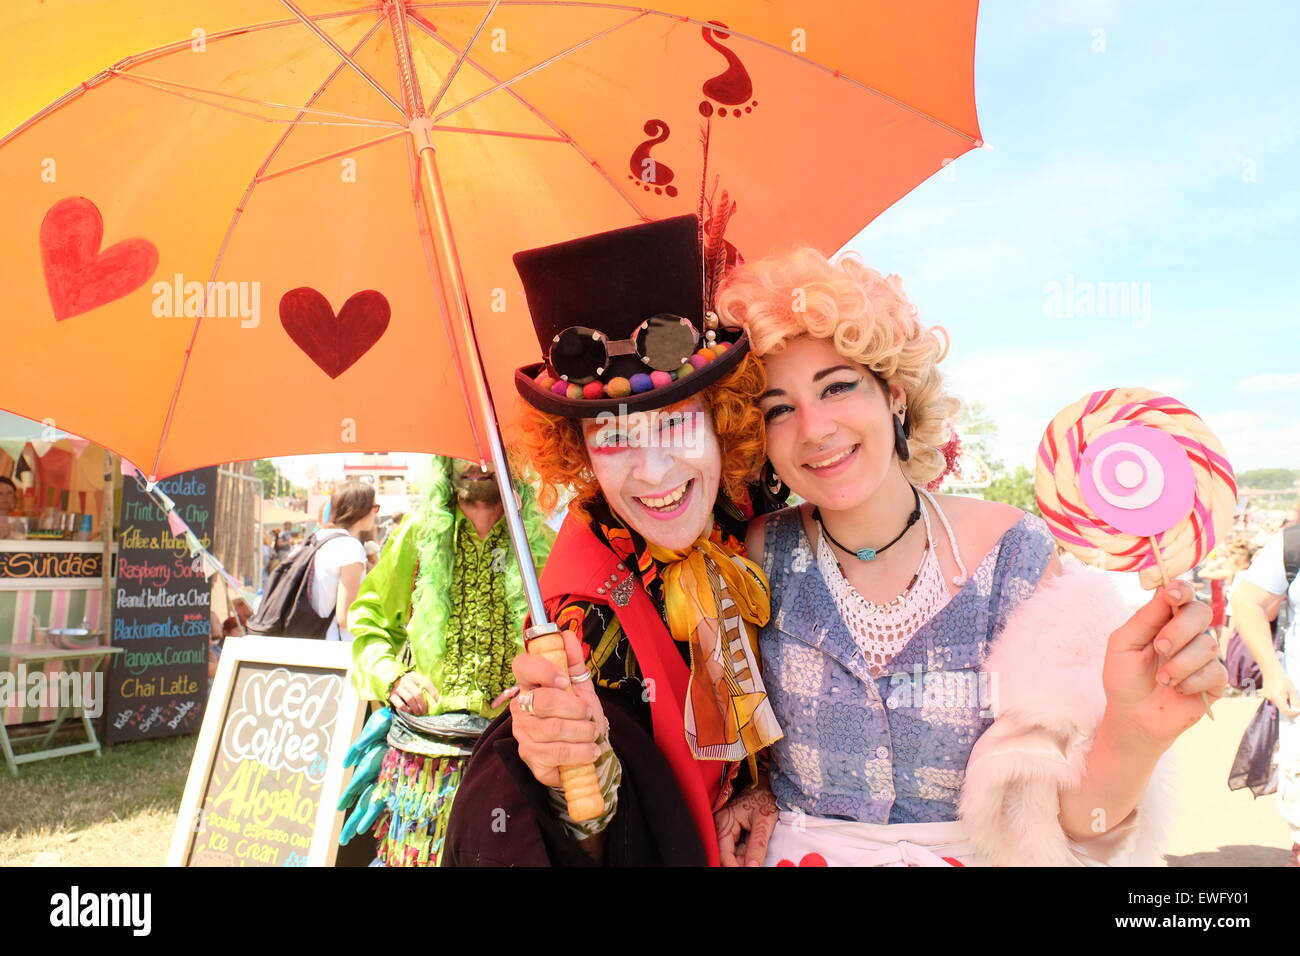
<point x="612" y="313"/>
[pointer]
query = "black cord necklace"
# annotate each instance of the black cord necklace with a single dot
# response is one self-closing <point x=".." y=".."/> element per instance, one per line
<point x="870" y="554"/>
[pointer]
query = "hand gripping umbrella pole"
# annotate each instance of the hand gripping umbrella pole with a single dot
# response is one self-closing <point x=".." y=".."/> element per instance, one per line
<point x="581" y="788"/>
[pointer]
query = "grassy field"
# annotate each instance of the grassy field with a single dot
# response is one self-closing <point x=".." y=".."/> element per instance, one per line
<point x="114" y="810"/>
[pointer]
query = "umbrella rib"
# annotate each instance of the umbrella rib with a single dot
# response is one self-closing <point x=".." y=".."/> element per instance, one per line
<point x="432" y="32"/>
<point x="188" y="42"/>
<point x="163" y="87"/>
<point x="391" y="136"/>
<point x="230" y="231"/>
<point x="730" y="32"/>
<point x="334" y="155"/>
<point x="460" y="59"/>
<point x="104" y="75"/>
<point x="502" y="84"/>
<point x="500" y="132"/>
<point x="343" y="55"/>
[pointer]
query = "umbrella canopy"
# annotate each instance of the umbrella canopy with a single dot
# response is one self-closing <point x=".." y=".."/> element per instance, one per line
<point x="219" y="246"/>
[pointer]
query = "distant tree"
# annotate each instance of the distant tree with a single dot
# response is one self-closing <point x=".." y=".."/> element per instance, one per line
<point x="1016" y="488"/>
<point x="978" y="434"/>
<point x="1266" y="478"/>
<point x="265" y="469"/>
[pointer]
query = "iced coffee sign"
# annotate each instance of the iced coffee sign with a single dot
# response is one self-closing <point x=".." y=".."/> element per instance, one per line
<point x="268" y="769"/>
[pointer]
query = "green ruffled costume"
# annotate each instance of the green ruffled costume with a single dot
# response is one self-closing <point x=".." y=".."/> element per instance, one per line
<point x="459" y="603"/>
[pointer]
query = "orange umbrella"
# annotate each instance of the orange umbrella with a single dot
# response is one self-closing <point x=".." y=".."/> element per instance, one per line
<point x="226" y="245"/>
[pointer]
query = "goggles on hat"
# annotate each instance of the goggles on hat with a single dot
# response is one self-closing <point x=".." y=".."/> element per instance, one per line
<point x="663" y="342"/>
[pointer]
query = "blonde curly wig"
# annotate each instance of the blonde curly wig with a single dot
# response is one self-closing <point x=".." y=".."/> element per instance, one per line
<point x="868" y="319"/>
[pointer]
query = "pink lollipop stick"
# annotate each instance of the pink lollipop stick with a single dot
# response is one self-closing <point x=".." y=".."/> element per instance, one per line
<point x="1165" y="580"/>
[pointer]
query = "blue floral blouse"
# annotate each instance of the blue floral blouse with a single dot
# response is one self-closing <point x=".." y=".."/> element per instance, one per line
<point x="890" y="749"/>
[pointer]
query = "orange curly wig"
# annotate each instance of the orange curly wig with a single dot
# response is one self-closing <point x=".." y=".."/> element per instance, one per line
<point x="554" y="449"/>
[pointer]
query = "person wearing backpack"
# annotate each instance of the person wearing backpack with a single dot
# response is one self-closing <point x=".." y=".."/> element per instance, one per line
<point x="340" y="561"/>
<point x="309" y="594"/>
<point x="1271" y="582"/>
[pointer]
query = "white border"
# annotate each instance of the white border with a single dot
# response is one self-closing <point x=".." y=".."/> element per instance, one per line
<point x="288" y="651"/>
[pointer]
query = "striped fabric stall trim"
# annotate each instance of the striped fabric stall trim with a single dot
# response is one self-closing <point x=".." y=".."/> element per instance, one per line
<point x="62" y="608"/>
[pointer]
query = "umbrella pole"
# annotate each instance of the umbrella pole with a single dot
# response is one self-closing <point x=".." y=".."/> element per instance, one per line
<point x="581" y="786"/>
<point x="457" y="301"/>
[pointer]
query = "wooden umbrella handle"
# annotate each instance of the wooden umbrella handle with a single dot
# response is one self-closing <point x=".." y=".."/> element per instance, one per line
<point x="581" y="788"/>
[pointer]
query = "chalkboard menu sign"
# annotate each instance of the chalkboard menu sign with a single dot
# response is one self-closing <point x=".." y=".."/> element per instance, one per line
<point x="268" y="768"/>
<point x="157" y="687"/>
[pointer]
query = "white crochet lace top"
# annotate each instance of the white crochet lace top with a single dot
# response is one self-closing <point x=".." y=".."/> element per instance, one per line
<point x="882" y="630"/>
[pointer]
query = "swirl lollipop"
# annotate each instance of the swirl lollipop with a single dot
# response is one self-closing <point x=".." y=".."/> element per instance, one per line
<point x="1132" y="480"/>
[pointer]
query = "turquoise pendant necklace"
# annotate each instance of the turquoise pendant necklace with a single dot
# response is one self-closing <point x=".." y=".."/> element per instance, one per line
<point x="870" y="554"/>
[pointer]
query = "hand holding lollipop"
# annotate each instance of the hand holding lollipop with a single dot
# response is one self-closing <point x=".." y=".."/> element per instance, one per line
<point x="1132" y="480"/>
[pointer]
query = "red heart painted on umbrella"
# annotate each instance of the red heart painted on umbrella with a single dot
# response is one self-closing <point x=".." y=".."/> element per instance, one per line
<point x="80" y="277"/>
<point x="334" y="342"/>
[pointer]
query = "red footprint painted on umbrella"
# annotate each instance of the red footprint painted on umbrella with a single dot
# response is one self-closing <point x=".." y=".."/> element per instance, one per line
<point x="647" y="170"/>
<point x="78" y="275"/>
<point x="732" y="87"/>
<point x="334" y="342"/>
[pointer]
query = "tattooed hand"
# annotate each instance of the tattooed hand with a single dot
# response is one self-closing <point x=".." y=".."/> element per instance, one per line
<point x="744" y="826"/>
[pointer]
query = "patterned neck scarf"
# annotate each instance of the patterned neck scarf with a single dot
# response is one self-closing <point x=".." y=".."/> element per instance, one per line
<point x="715" y="601"/>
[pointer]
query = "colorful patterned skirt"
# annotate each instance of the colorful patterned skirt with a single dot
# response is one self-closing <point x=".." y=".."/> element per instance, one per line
<point x="417" y="792"/>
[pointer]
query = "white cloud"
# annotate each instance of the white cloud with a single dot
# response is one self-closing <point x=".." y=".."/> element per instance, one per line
<point x="1022" y="389"/>
<point x="1252" y="440"/>
<point x="1269" y="382"/>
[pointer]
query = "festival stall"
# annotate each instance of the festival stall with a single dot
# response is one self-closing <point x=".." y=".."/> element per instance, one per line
<point x="89" y="546"/>
<point x="56" y="562"/>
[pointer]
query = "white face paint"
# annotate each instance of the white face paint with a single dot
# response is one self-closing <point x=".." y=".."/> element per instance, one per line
<point x="658" y="470"/>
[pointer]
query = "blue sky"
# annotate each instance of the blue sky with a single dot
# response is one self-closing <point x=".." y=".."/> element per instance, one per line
<point x="1148" y="143"/>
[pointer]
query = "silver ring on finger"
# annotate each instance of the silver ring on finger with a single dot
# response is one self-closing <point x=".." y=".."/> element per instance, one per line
<point x="584" y="676"/>
<point x="526" y="701"/>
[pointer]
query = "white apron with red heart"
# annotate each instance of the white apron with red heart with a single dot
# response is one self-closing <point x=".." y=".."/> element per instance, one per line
<point x="802" y="840"/>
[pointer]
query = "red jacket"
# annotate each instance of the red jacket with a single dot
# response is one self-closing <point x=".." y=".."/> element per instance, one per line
<point x="581" y="567"/>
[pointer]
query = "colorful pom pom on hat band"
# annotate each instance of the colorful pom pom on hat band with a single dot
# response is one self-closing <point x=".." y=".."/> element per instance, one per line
<point x="641" y="391"/>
